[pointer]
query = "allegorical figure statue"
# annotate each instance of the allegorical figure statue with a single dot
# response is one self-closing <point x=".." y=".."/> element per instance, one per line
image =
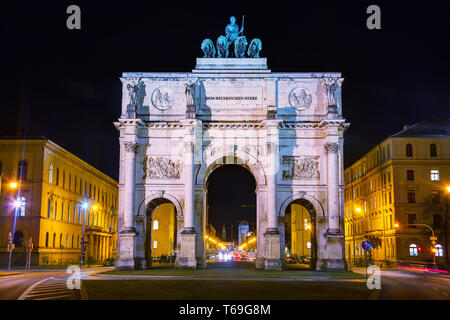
<point x="132" y="106"/>
<point x="233" y="32"/>
<point x="190" y="100"/>
<point x="190" y="91"/>
<point x="331" y="86"/>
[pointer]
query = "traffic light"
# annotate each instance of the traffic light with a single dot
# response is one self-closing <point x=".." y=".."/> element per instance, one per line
<point x="433" y="249"/>
<point x="419" y="249"/>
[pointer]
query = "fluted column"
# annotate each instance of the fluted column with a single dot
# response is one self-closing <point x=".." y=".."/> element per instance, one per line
<point x="130" y="181"/>
<point x="333" y="186"/>
<point x="189" y="187"/>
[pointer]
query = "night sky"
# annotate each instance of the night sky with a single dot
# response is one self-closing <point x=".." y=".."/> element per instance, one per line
<point x="64" y="84"/>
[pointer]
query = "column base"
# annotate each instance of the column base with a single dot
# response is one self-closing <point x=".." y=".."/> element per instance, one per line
<point x="272" y="257"/>
<point x="331" y="265"/>
<point x="187" y="258"/>
<point x="259" y="263"/>
<point x="273" y="265"/>
<point x="126" y="260"/>
<point x="140" y="264"/>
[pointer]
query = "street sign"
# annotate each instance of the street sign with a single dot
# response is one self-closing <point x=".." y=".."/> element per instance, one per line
<point x="433" y="238"/>
<point x="366" y="245"/>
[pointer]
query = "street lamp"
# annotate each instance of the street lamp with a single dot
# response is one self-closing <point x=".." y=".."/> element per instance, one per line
<point x="358" y="210"/>
<point x="17" y="204"/>
<point x="85" y="205"/>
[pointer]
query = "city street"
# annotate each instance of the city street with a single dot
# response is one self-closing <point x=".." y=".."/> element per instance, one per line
<point x="221" y="283"/>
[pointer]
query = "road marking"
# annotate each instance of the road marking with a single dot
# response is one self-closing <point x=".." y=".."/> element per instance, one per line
<point x="30" y="288"/>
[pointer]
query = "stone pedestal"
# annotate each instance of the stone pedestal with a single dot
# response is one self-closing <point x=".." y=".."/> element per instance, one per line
<point x="335" y="260"/>
<point x="126" y="250"/>
<point x="272" y="257"/>
<point x="187" y="259"/>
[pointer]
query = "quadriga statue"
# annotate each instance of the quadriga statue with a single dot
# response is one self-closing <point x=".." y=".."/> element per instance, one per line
<point x="222" y="47"/>
<point x="239" y="47"/>
<point x="254" y="48"/>
<point x="208" y="48"/>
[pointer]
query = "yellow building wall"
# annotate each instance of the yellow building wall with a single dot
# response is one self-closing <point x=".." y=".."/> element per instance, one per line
<point x="164" y="235"/>
<point x="299" y="235"/>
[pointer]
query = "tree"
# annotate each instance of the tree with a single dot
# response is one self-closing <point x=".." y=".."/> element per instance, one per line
<point x="437" y="207"/>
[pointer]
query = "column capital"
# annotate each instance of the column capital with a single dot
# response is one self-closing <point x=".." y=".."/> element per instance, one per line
<point x="331" y="146"/>
<point x="131" y="146"/>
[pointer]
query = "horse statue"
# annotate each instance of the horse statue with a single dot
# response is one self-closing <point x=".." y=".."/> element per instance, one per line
<point x="239" y="47"/>
<point x="254" y="48"/>
<point x="222" y="47"/>
<point x="208" y="48"/>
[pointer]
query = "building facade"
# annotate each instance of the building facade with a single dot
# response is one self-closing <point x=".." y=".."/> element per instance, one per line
<point x="285" y="128"/>
<point x="51" y="186"/>
<point x="395" y="191"/>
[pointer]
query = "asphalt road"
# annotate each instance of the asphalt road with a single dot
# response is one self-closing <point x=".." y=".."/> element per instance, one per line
<point x="50" y="284"/>
<point x="39" y="285"/>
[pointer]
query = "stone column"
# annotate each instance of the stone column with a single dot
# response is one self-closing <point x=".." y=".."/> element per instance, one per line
<point x="333" y="186"/>
<point x="335" y="258"/>
<point x="272" y="257"/>
<point x="128" y="232"/>
<point x="188" y="250"/>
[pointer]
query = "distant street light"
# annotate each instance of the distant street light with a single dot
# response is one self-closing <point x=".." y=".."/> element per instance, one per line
<point x="85" y="205"/>
<point x="13" y="185"/>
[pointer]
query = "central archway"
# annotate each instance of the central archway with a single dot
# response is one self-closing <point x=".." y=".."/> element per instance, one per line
<point x="161" y="236"/>
<point x="230" y="216"/>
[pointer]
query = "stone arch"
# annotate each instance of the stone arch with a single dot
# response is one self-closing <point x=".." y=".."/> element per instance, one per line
<point x="316" y="212"/>
<point x="157" y="198"/>
<point x="309" y="202"/>
<point x="206" y="169"/>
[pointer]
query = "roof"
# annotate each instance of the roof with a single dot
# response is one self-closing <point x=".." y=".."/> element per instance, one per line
<point x="431" y="127"/>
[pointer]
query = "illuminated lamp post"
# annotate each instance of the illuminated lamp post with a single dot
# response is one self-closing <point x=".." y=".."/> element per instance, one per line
<point x="85" y="205"/>
<point x="17" y="204"/>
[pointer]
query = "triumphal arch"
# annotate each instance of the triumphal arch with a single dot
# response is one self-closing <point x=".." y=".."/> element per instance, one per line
<point x="176" y="128"/>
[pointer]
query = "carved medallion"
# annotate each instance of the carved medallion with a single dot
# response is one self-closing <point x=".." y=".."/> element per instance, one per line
<point x="300" y="99"/>
<point x="163" y="98"/>
<point x="161" y="168"/>
<point x="301" y="167"/>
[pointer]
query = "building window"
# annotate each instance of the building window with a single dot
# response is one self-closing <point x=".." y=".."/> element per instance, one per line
<point x="50" y="174"/>
<point x="62" y="211"/>
<point x="74" y="220"/>
<point x="67" y="240"/>
<point x="155" y="244"/>
<point x="308" y="245"/>
<point x="54" y="240"/>
<point x="70" y="180"/>
<point x="68" y="212"/>
<point x="409" y="150"/>
<point x="48" y="208"/>
<point x="56" y="213"/>
<point x="413" y="250"/>
<point x="46" y="240"/>
<point x="410" y="175"/>
<point x="72" y="240"/>
<point x="64" y="179"/>
<point x="434" y="175"/>
<point x="390" y="197"/>
<point x="412" y="220"/>
<point x="60" y="241"/>
<point x="389" y="177"/>
<point x="439" y="251"/>
<point x="411" y="196"/>
<point x="22" y="168"/>
<point x="433" y="151"/>
<point x="21" y="207"/>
